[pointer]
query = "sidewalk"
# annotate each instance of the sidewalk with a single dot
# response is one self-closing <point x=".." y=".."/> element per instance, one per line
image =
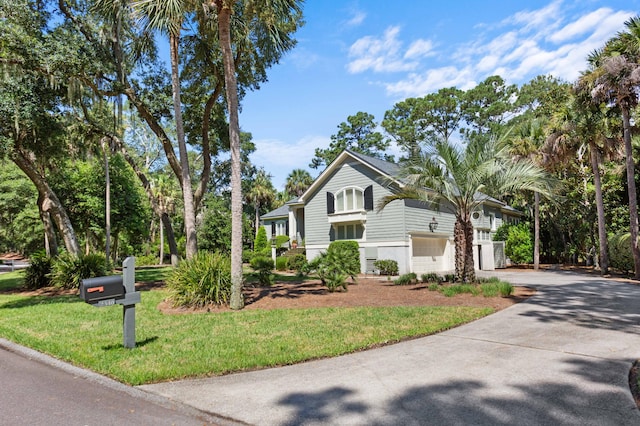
<point x="562" y="357"/>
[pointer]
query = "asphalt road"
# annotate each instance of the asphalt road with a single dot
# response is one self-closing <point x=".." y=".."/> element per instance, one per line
<point x="38" y="390"/>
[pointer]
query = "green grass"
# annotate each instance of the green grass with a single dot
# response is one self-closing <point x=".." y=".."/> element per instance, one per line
<point x="171" y="347"/>
<point x="11" y="280"/>
<point x="146" y="274"/>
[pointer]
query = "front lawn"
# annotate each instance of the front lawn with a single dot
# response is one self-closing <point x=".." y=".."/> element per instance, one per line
<point x="171" y="347"/>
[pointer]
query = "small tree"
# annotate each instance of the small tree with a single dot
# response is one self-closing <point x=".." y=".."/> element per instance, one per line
<point x="260" y="243"/>
<point x="518" y="244"/>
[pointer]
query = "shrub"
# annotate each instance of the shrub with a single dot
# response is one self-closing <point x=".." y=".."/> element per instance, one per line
<point x="260" y="242"/>
<point x="347" y="256"/>
<point x="493" y="287"/>
<point x="37" y="274"/>
<point x="620" y="254"/>
<point x="431" y="277"/>
<point x="68" y="271"/>
<point x="281" y="240"/>
<point x="247" y="255"/>
<point x="263" y="266"/>
<point x="328" y="267"/>
<point x="282" y="263"/>
<point x="518" y="243"/>
<point x="146" y="260"/>
<point x="386" y="266"/>
<point x="449" y="278"/>
<point x="202" y="280"/>
<point x="406" y="279"/>
<point x="298" y="263"/>
<point x="433" y="287"/>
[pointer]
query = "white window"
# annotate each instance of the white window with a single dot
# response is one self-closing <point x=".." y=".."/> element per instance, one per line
<point x="350" y="231"/>
<point x="349" y="199"/>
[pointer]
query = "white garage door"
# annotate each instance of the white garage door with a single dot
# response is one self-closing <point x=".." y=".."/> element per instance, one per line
<point x="428" y="254"/>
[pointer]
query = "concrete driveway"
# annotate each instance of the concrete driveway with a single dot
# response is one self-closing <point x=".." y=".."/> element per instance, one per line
<point x="560" y="358"/>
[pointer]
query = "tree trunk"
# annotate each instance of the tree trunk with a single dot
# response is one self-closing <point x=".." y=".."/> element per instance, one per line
<point x="536" y="230"/>
<point x="469" y="273"/>
<point x="187" y="190"/>
<point x="161" y="243"/>
<point x="50" y="202"/>
<point x="50" y="242"/>
<point x="107" y="202"/>
<point x="602" y="231"/>
<point x="459" y="242"/>
<point x="224" y="29"/>
<point x="633" y="199"/>
<point x="171" y="238"/>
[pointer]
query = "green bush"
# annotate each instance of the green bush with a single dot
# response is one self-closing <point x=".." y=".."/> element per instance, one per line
<point x="433" y="287"/>
<point x="37" y="274"/>
<point x="146" y="260"/>
<point x="281" y="240"/>
<point x="347" y="255"/>
<point x="406" y="279"/>
<point x="328" y="267"/>
<point x="449" y="278"/>
<point x="431" y="277"/>
<point x="202" y="280"/>
<point x="282" y="263"/>
<point x="264" y="267"/>
<point x="247" y="255"/>
<point x="518" y="243"/>
<point x="68" y="271"/>
<point x="386" y="266"/>
<point x="260" y="242"/>
<point x="298" y="263"/>
<point x="620" y="254"/>
<point x="494" y="287"/>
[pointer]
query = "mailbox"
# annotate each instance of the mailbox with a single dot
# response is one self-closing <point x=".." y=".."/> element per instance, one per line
<point x="116" y="290"/>
<point x="93" y="290"/>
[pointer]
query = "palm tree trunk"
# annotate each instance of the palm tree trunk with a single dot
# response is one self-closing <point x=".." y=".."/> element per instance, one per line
<point x="602" y="231"/>
<point x="536" y="230"/>
<point x="224" y="30"/>
<point x="469" y="274"/>
<point x="187" y="190"/>
<point x="459" y="241"/>
<point x="633" y="199"/>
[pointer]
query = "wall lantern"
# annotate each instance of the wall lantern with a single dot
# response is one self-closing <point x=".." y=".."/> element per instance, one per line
<point x="433" y="225"/>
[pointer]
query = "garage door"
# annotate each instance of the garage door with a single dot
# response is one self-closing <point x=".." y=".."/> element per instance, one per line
<point x="428" y="254"/>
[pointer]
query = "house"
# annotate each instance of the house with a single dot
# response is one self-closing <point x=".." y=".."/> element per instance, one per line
<point x="341" y="205"/>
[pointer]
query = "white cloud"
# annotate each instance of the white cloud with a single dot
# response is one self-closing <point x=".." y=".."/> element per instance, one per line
<point x="419" y="48"/>
<point x="524" y="45"/>
<point x="379" y="54"/>
<point x="584" y="24"/>
<point x="357" y="18"/>
<point x="416" y="85"/>
<point x="279" y="158"/>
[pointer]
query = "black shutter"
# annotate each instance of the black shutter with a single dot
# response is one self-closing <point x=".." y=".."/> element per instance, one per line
<point x="331" y="208"/>
<point x="368" y="198"/>
<point x="273" y="229"/>
<point x="286" y="228"/>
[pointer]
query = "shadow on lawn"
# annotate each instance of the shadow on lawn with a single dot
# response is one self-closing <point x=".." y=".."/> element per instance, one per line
<point x="39" y="300"/>
<point x="603" y="401"/>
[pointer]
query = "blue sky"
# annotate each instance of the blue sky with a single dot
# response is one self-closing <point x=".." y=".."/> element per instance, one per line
<point x="367" y="55"/>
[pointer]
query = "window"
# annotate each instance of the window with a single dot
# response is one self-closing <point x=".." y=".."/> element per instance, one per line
<point x="351" y="231"/>
<point x="349" y="199"/>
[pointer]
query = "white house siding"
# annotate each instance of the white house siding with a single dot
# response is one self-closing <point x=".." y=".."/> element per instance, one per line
<point x="431" y="254"/>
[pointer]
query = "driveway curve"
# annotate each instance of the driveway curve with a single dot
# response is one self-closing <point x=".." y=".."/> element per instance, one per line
<point x="560" y="358"/>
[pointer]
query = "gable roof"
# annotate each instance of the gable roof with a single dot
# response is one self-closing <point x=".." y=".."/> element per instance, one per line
<point x="282" y="211"/>
<point x="382" y="167"/>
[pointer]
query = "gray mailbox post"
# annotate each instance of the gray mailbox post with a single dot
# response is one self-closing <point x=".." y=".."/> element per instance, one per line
<point x="116" y="290"/>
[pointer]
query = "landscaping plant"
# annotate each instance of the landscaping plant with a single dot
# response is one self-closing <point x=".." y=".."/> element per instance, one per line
<point x="37" y="274"/>
<point x="201" y="280"/>
<point x="264" y="267"/>
<point x="406" y="279"/>
<point x="386" y="266"/>
<point x="68" y="271"/>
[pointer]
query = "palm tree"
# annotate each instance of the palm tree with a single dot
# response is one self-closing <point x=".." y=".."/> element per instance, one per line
<point x="168" y="16"/>
<point x="261" y="193"/>
<point x="615" y="73"/>
<point x="454" y="178"/>
<point x="297" y="182"/>
<point x="276" y="18"/>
